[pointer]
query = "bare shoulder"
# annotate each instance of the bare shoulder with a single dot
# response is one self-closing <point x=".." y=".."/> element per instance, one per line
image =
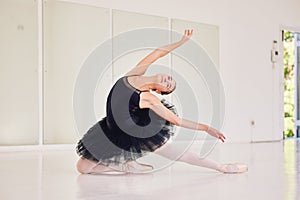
<point x="147" y="99"/>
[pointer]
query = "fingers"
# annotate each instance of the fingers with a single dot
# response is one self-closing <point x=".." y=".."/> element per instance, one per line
<point x="216" y="133"/>
<point x="221" y="137"/>
<point x="188" y="32"/>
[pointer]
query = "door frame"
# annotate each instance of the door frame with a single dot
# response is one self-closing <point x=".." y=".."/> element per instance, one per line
<point x="281" y="73"/>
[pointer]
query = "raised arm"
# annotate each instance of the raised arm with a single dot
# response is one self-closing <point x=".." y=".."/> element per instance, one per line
<point x="143" y="65"/>
<point x="149" y="100"/>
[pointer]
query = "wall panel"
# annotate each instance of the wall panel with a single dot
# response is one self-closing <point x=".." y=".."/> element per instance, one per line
<point x="18" y="73"/>
<point x="72" y="32"/>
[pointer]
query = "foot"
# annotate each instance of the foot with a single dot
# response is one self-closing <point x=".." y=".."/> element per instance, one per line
<point x="233" y="168"/>
<point x="85" y="166"/>
<point x="110" y="170"/>
<point x="135" y="167"/>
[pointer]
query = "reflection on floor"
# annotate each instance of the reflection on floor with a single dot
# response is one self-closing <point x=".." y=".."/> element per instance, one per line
<point x="274" y="170"/>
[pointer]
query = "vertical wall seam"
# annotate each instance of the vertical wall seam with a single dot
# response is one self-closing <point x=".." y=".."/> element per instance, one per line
<point x="40" y="72"/>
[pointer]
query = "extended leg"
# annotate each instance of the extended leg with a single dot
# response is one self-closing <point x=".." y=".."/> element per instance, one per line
<point x="192" y="158"/>
<point x="188" y="157"/>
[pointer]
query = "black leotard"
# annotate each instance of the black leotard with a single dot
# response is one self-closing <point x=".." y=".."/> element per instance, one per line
<point x="128" y="131"/>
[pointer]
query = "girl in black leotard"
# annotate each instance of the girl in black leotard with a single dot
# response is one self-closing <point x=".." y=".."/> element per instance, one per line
<point x="137" y="123"/>
<point x="127" y="132"/>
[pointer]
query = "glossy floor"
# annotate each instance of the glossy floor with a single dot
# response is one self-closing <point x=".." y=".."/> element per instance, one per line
<point x="274" y="173"/>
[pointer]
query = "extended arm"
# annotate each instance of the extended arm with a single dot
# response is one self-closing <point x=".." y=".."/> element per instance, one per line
<point x="149" y="100"/>
<point x="143" y="65"/>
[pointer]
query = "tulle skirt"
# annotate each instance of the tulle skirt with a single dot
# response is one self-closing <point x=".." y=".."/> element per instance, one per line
<point x="103" y="145"/>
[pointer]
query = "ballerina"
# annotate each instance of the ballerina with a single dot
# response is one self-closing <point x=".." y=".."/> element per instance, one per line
<point x="113" y="144"/>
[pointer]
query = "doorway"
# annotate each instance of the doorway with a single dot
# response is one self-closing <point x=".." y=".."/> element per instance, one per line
<point x="291" y="43"/>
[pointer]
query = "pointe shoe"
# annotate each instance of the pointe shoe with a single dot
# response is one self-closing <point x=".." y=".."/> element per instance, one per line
<point x="135" y="167"/>
<point x="233" y="168"/>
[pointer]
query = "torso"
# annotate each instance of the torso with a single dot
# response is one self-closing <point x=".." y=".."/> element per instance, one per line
<point x="143" y="94"/>
<point x="121" y="93"/>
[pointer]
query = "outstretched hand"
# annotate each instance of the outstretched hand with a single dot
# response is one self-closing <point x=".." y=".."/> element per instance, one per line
<point x="215" y="133"/>
<point x="187" y="34"/>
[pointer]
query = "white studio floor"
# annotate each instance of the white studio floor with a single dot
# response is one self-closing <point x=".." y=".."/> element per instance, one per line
<point x="274" y="173"/>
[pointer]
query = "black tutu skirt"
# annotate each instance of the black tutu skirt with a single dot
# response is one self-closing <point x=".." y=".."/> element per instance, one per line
<point x="105" y="145"/>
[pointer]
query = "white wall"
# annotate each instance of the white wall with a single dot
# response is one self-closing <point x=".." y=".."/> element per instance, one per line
<point x="247" y="29"/>
<point x="70" y="31"/>
<point x="253" y="88"/>
<point x="18" y="73"/>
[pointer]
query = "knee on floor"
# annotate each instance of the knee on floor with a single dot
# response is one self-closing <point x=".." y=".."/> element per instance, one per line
<point x="84" y="166"/>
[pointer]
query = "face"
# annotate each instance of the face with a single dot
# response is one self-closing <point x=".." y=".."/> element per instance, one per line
<point x="165" y="83"/>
